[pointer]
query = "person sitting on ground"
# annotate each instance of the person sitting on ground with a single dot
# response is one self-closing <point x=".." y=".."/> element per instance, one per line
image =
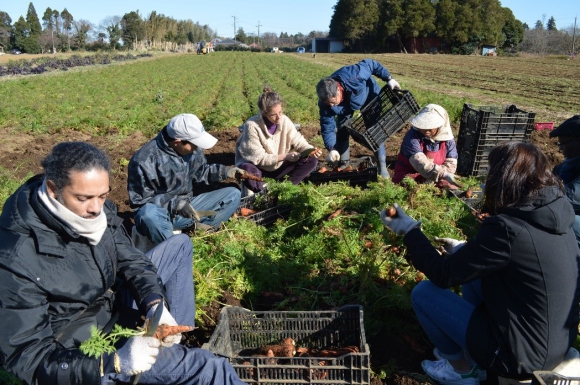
<point x="67" y="265"/>
<point x="347" y="90"/>
<point x="568" y="134"/>
<point x="428" y="151"/>
<point x="519" y="276"/>
<point x="162" y="178"/>
<point x="271" y="146"/>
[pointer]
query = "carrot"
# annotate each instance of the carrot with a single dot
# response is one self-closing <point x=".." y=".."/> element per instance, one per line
<point x="277" y="350"/>
<point x="334" y="215"/>
<point x="163" y="331"/>
<point x="251" y="177"/>
<point x="391" y="212"/>
<point x="322" y="170"/>
<point x="245" y="212"/>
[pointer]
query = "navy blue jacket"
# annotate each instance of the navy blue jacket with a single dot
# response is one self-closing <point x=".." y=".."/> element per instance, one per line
<point x="359" y="89"/>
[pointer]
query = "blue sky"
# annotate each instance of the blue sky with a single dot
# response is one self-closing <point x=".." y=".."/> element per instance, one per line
<point x="291" y="16"/>
<point x="277" y="16"/>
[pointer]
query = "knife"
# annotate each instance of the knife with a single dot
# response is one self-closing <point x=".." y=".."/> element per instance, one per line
<point x="152" y="324"/>
<point x="307" y="152"/>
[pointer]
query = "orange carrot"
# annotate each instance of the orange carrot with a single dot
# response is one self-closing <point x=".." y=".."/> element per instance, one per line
<point x="245" y="212"/>
<point x="163" y="331"/>
<point x="334" y="215"/>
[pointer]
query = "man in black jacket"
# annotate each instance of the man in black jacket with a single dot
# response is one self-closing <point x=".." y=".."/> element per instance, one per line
<point x="67" y="265"/>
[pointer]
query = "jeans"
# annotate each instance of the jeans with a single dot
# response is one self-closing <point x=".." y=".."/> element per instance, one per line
<point x="445" y="315"/>
<point x="178" y="365"/>
<point x="296" y="171"/>
<point x="343" y="147"/>
<point x="155" y="222"/>
<point x="173" y="260"/>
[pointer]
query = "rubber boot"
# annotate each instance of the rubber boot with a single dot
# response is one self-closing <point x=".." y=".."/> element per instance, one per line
<point x="381" y="156"/>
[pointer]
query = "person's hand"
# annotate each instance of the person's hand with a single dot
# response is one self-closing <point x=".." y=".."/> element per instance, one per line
<point x="233" y="172"/>
<point x="393" y="84"/>
<point x="186" y="210"/>
<point x="333" y="156"/>
<point x="166" y="319"/>
<point x="137" y="355"/>
<point x="181" y="223"/>
<point x="449" y="244"/>
<point x="452" y="179"/>
<point x="316" y="153"/>
<point x="292" y="157"/>
<point x="400" y="223"/>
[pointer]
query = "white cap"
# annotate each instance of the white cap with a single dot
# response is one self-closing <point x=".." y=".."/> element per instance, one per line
<point x="188" y="127"/>
<point x="430" y="117"/>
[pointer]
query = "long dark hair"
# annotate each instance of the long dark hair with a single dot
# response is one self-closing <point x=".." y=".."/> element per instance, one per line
<point x="517" y="172"/>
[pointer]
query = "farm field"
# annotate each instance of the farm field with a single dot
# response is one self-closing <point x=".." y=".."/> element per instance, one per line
<point x="307" y="262"/>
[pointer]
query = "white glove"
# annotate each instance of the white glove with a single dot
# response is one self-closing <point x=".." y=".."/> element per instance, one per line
<point x="166" y="319"/>
<point x="401" y="223"/>
<point x="333" y="156"/>
<point x="452" y="179"/>
<point x="137" y="355"/>
<point x="450" y="245"/>
<point x="234" y="171"/>
<point x="393" y="84"/>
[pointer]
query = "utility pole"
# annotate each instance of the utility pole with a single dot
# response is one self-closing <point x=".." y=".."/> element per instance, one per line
<point x="234" y="28"/>
<point x="259" y="31"/>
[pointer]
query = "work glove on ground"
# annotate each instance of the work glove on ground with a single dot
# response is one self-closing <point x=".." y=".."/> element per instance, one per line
<point x="137" y="355"/>
<point x="233" y="172"/>
<point x="393" y="84"/>
<point x="166" y="319"/>
<point x="450" y="245"/>
<point x="452" y="179"/>
<point x="181" y="223"/>
<point x="401" y="223"/>
<point x="333" y="156"/>
<point x="186" y="210"/>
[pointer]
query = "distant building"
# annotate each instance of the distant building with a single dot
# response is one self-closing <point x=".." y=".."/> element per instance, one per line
<point x="488" y="50"/>
<point x="327" y="45"/>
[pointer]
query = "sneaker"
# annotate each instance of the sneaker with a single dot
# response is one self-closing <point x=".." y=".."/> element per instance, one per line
<point x="482" y="373"/>
<point x="443" y="373"/>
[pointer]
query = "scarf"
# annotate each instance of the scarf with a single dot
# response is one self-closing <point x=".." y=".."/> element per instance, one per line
<point x="92" y="229"/>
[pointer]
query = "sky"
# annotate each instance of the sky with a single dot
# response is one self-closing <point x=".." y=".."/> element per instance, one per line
<point x="291" y="16"/>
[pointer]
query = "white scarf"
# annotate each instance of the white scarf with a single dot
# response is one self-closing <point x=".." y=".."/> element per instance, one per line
<point x="92" y="229"/>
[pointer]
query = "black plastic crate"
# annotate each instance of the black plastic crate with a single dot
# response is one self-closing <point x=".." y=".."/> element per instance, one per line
<point x="484" y="127"/>
<point x="269" y="211"/>
<point x="383" y="117"/>
<point x="240" y="330"/>
<point x="551" y="378"/>
<point x="474" y="203"/>
<point x="364" y="170"/>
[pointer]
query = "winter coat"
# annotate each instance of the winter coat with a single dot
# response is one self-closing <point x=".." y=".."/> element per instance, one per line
<point x="159" y="175"/>
<point x="257" y="146"/>
<point x="359" y="89"/>
<point x="528" y="262"/>
<point x="569" y="172"/>
<point x="56" y="286"/>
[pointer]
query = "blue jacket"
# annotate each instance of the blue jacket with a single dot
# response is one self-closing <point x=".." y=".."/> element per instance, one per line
<point x="359" y="89"/>
<point x="159" y="175"/>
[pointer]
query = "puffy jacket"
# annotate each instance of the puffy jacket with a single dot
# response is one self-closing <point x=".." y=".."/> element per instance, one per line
<point x="528" y="263"/>
<point x="569" y="172"/>
<point x="359" y="89"/>
<point x="159" y="175"/>
<point x="55" y="286"/>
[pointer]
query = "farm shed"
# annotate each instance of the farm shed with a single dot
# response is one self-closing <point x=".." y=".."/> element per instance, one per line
<point x="327" y="45"/>
<point x="488" y="50"/>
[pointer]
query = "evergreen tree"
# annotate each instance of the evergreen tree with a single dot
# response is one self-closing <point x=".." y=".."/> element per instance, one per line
<point x="32" y="41"/>
<point x="539" y="25"/>
<point x="6" y="31"/>
<point x="67" y="23"/>
<point x="513" y="30"/>
<point x="20" y="34"/>
<point x="242" y="37"/>
<point x="133" y="29"/>
<point x="551" y="26"/>
<point x="355" y="21"/>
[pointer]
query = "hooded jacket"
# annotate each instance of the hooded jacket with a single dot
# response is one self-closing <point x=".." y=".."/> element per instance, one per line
<point x="159" y="175"/>
<point x="56" y="286"/>
<point x="528" y="262"/>
<point x="359" y="89"/>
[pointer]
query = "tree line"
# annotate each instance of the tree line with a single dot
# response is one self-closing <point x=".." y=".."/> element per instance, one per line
<point x="59" y="31"/>
<point x="447" y="26"/>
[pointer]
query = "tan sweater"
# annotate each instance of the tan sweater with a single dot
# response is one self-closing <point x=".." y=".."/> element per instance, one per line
<point x="258" y="147"/>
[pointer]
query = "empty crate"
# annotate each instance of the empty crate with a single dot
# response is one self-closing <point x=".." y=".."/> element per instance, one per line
<point x="384" y="116"/>
<point x="483" y="128"/>
<point x="240" y="330"/>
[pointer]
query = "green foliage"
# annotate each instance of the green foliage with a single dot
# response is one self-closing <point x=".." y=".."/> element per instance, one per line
<point x="100" y="343"/>
<point x="7" y="378"/>
<point x="8" y="185"/>
<point x="320" y="263"/>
